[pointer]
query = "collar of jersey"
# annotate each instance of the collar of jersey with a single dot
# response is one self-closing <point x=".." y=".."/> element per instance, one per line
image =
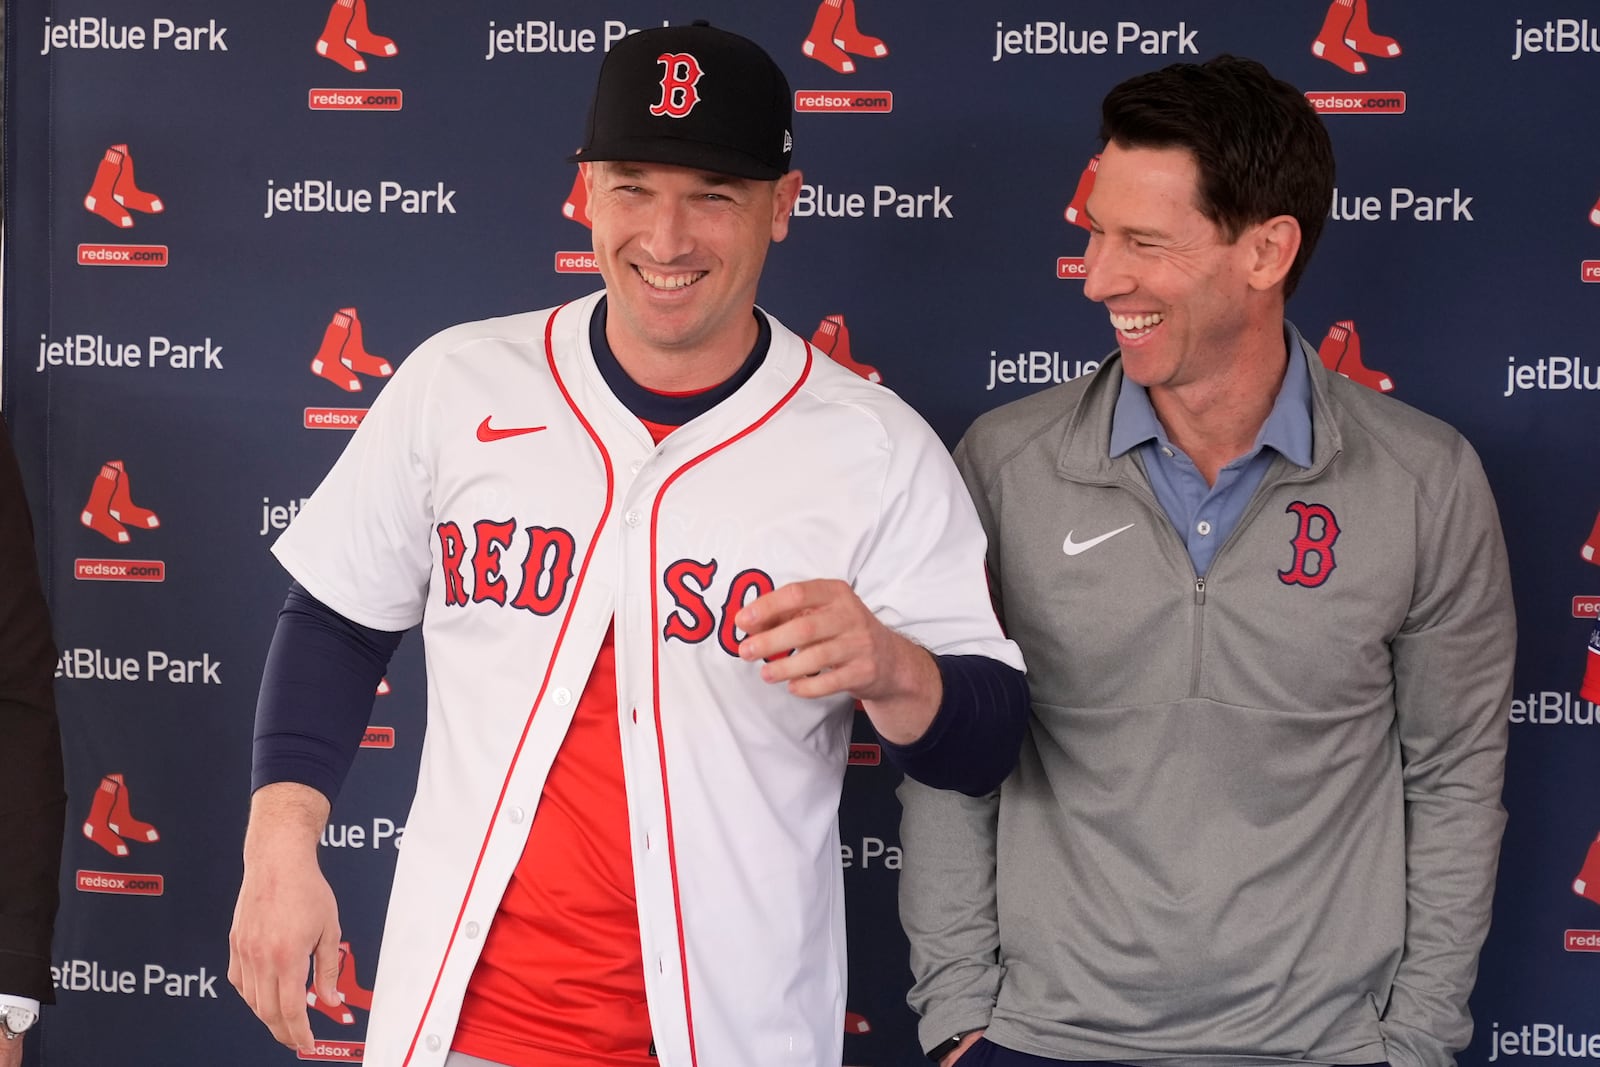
<point x="670" y="409"/>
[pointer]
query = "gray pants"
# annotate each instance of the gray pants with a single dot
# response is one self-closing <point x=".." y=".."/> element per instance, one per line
<point x="456" y="1059"/>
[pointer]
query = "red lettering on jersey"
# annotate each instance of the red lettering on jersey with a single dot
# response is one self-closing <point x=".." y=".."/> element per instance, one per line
<point x="739" y="594"/>
<point x="1313" y="553"/>
<point x="550" y="552"/>
<point x="678" y="93"/>
<point x="451" y="550"/>
<point x="493" y="538"/>
<point x="690" y="602"/>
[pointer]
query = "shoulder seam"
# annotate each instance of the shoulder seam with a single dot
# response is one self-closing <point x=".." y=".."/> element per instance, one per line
<point x="1425" y="490"/>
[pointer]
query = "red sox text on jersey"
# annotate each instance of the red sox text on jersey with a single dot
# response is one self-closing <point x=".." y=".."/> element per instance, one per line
<point x="545" y="575"/>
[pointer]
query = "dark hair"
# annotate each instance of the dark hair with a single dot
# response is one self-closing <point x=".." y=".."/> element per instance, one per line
<point x="1260" y="147"/>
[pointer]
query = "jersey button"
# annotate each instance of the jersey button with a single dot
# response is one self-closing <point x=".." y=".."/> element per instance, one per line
<point x="433" y="1042"/>
<point x="563" y="696"/>
<point x="636" y="466"/>
<point x="516" y="814"/>
<point x="1202" y="527"/>
<point x="633" y="518"/>
<point x="472" y="930"/>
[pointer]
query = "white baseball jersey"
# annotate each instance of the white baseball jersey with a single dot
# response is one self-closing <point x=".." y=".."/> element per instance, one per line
<point x="501" y="495"/>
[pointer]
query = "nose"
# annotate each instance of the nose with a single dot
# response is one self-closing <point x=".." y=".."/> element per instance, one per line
<point x="1105" y="273"/>
<point x="666" y="236"/>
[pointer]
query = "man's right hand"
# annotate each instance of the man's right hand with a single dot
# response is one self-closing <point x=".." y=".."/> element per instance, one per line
<point x="961" y="1049"/>
<point x="286" y="913"/>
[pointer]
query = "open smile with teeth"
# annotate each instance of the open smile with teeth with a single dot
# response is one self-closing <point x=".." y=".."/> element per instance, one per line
<point x="1136" y="325"/>
<point x="669" y="282"/>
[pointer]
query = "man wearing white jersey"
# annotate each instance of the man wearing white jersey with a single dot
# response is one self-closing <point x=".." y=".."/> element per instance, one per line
<point x="659" y="548"/>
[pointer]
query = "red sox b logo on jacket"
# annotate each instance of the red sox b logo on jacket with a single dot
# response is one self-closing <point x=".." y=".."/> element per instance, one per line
<point x="678" y="81"/>
<point x="1313" y="545"/>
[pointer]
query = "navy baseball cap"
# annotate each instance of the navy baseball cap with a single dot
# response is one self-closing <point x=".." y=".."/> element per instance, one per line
<point x="694" y="96"/>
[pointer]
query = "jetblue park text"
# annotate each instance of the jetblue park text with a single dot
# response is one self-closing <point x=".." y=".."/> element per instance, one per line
<point x="94" y="32"/>
<point x="1556" y="35"/>
<point x="1552" y="708"/>
<point x="1059" y="39"/>
<point x="88" y="976"/>
<point x="1036" y="368"/>
<point x="93" y="350"/>
<point x="1542" y="1040"/>
<point x="317" y="195"/>
<point x="1553" y="373"/>
<point x="544" y="36"/>
<point x="94" y="665"/>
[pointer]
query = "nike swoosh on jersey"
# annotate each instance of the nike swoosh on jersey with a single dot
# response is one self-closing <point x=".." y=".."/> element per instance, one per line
<point x="1072" y="548"/>
<point x="487" y="433"/>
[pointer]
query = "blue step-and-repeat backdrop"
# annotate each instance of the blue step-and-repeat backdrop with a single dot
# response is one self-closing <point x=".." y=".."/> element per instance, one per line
<point x="224" y="218"/>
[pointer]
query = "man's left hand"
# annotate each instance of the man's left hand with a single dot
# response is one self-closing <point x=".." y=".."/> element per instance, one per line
<point x="11" y="1052"/>
<point x="820" y="639"/>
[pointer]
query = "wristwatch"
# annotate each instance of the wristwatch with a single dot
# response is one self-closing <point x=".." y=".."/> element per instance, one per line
<point x="938" y="1052"/>
<point x="16" y="1021"/>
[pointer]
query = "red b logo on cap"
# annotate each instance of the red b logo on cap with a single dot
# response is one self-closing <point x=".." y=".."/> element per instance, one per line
<point x="678" y="95"/>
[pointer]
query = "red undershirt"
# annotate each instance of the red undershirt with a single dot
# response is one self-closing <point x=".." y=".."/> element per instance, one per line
<point x="560" y="982"/>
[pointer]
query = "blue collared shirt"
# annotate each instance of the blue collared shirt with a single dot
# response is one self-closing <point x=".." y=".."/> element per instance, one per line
<point x="1205" y="515"/>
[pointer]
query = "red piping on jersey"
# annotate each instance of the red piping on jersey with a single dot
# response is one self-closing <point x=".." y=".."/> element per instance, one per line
<point x="561" y="634"/>
<point x="655" y="673"/>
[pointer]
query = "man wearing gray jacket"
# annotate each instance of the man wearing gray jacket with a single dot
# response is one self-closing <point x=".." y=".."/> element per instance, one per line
<point x="1268" y="624"/>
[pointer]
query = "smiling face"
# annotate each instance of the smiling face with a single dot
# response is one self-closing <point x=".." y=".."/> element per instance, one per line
<point x="1182" y="297"/>
<point x="681" y="252"/>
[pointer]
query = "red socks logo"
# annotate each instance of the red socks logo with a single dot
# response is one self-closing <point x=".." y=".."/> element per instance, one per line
<point x="833" y="339"/>
<point x="834" y="32"/>
<point x="347" y="34"/>
<point x="110" y="823"/>
<point x="343" y="354"/>
<point x="350" y="991"/>
<point x="576" y="206"/>
<point x="1075" y="213"/>
<point x="114" y="190"/>
<point x="1346" y="31"/>
<point x="1340" y="352"/>
<point x="1594" y="214"/>
<point x="111" y="510"/>
<point x="1587" y="884"/>
<point x="1591" y="548"/>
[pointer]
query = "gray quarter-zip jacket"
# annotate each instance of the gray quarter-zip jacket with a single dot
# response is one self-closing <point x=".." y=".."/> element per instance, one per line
<point x="1257" y="816"/>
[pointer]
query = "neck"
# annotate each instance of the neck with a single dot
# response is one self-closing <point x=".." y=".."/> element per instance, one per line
<point x="679" y="370"/>
<point x="1215" y="419"/>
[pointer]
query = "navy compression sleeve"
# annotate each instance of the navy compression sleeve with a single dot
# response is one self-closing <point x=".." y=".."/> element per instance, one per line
<point x="317" y="687"/>
<point x="973" y="741"/>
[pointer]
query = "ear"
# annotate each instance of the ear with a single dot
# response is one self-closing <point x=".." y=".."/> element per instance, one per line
<point x="587" y="170"/>
<point x="785" y="191"/>
<point x="1271" y="247"/>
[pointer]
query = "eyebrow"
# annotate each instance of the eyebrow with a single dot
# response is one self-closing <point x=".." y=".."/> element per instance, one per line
<point x="1132" y="231"/>
<point x="708" y="179"/>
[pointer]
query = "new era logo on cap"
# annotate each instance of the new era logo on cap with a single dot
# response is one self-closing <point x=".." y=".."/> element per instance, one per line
<point x="692" y="96"/>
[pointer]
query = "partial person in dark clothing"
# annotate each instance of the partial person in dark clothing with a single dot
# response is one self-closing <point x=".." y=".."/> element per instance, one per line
<point x="32" y="800"/>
